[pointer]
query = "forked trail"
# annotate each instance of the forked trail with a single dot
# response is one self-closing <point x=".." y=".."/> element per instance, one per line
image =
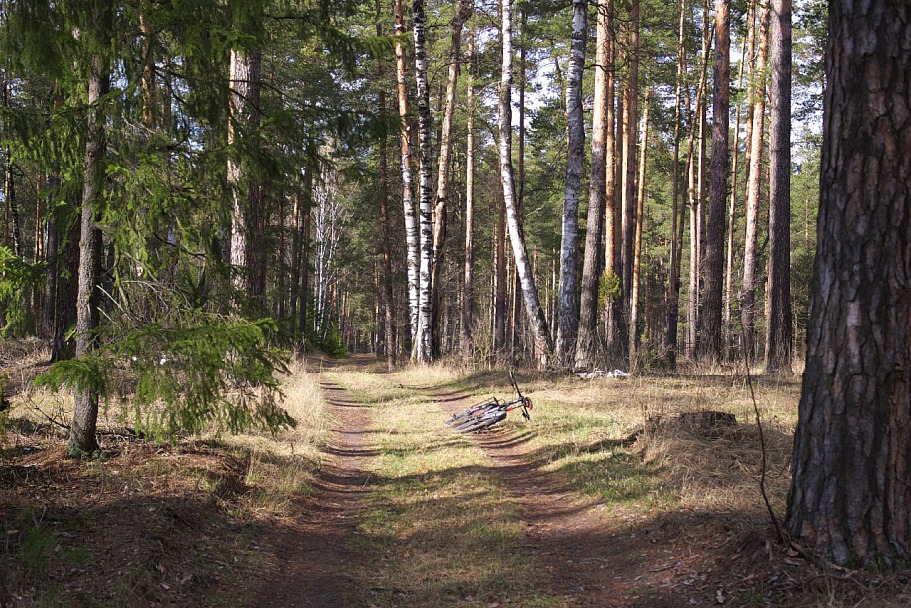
<point x="575" y="553"/>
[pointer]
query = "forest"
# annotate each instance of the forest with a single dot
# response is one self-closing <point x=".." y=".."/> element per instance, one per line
<point x="207" y="201"/>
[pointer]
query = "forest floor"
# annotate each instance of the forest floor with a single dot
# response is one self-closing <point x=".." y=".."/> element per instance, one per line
<point x="373" y="502"/>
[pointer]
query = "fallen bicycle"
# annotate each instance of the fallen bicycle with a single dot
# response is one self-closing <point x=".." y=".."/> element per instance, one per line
<point x="487" y="413"/>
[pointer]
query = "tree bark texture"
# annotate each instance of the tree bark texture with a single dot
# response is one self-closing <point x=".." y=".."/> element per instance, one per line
<point x="637" y="244"/>
<point x="468" y="282"/>
<point x="390" y="335"/>
<point x="754" y="181"/>
<point x="82" y="438"/>
<point x="597" y="198"/>
<point x="709" y="323"/>
<point x="462" y="12"/>
<point x="405" y="140"/>
<point x="779" y="317"/>
<point x="568" y="299"/>
<point x="850" y="497"/>
<point x="543" y="340"/>
<point x="248" y="214"/>
<point x="425" y="184"/>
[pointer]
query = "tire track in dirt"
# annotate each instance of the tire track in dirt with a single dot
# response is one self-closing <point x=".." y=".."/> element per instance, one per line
<point x="589" y="561"/>
<point x="315" y="555"/>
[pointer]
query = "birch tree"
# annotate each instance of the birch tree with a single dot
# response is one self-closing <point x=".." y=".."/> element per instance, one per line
<point x="543" y="341"/>
<point x="425" y="185"/>
<point x="405" y="140"/>
<point x="568" y="299"/>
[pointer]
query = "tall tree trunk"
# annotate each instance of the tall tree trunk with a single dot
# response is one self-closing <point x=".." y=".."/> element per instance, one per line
<point x="304" y="298"/>
<point x="732" y="206"/>
<point x="612" y="218"/>
<point x="468" y="284"/>
<point x="676" y="248"/>
<point x="568" y="307"/>
<point x="82" y="438"/>
<point x="518" y="322"/>
<point x="499" y="306"/>
<point x="597" y="201"/>
<point x="696" y="189"/>
<point x="461" y="12"/>
<point x="637" y="245"/>
<point x="425" y="181"/>
<point x="247" y="216"/>
<point x="850" y="498"/>
<point x="389" y="324"/>
<point x="748" y="293"/>
<point x="709" y="324"/>
<point x="629" y="151"/>
<point x="779" y="329"/>
<point x="543" y="341"/>
<point x="405" y="140"/>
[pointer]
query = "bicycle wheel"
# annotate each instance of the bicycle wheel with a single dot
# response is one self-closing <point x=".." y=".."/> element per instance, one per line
<point x="474" y="411"/>
<point x="479" y="424"/>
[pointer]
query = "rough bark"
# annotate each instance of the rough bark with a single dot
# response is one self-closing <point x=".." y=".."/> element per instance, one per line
<point x="637" y="245"/>
<point x="425" y="184"/>
<point x="466" y="343"/>
<point x="247" y="215"/>
<point x="709" y="323"/>
<point x="405" y="138"/>
<point x="751" y="238"/>
<point x="82" y="439"/>
<point x="850" y="498"/>
<point x="568" y="298"/>
<point x="597" y="199"/>
<point x="440" y="208"/>
<point x="390" y="334"/>
<point x="499" y="299"/>
<point x="676" y="244"/>
<point x="732" y="208"/>
<point x="542" y="337"/>
<point x="779" y="317"/>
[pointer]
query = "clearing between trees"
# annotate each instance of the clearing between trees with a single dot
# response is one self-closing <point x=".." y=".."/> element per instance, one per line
<point x="372" y="501"/>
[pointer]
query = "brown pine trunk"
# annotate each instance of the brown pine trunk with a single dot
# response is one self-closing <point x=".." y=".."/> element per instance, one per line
<point x="850" y="498"/>
<point x="440" y="209"/>
<point x="591" y="265"/>
<point x="748" y="292"/>
<point x="676" y="243"/>
<point x="779" y="329"/>
<point x="709" y="323"/>
<point x="468" y="283"/>
<point x="390" y="336"/>
<point x="637" y="245"/>
<point x="82" y="438"/>
<point x="247" y="216"/>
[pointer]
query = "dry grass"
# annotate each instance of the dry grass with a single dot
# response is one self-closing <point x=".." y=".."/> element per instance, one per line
<point x="440" y="529"/>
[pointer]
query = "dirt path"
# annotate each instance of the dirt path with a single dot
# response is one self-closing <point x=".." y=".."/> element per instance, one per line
<point x="315" y="553"/>
<point x="591" y="561"/>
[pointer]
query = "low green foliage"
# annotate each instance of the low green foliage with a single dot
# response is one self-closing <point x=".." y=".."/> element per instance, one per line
<point x="17" y="277"/>
<point x="217" y="372"/>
